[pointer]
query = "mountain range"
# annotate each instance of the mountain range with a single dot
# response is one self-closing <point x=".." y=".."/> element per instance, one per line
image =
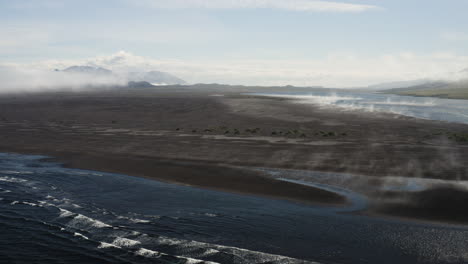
<point x="442" y="89"/>
<point x="88" y="70"/>
<point x="155" y="78"/>
<point x="152" y="77"/>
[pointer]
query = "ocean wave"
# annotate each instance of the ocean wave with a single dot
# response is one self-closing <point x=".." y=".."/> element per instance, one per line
<point x="207" y="250"/>
<point x="15" y="172"/>
<point x="12" y="179"/>
<point x="80" y="235"/>
<point x="65" y="213"/>
<point x="147" y="253"/>
<point x="155" y="254"/>
<point x="81" y="221"/>
<point x="134" y="220"/>
<point x="107" y="245"/>
<point x="125" y="242"/>
<point x="31" y="204"/>
<point x="210" y="215"/>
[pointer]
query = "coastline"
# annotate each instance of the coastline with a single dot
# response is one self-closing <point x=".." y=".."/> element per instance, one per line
<point x="195" y="174"/>
<point x="247" y="182"/>
<point x="192" y="138"/>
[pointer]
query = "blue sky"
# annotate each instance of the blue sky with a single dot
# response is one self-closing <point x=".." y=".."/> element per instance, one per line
<point x="266" y="42"/>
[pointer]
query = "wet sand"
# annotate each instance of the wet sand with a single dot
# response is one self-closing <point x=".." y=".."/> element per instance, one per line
<point x="188" y="136"/>
<point x="200" y="174"/>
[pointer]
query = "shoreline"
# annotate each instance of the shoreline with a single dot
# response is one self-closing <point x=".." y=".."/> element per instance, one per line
<point x="192" y="138"/>
<point x="198" y="175"/>
<point x="282" y="189"/>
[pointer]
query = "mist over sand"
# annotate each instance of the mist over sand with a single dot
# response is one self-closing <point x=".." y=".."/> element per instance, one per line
<point x="343" y="100"/>
<point x="16" y="79"/>
<point x="180" y="126"/>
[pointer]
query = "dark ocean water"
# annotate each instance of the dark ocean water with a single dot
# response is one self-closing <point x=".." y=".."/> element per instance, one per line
<point x="50" y="214"/>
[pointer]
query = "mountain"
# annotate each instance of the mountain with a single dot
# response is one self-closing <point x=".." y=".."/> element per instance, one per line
<point x="155" y="78"/>
<point x="88" y="70"/>
<point x="132" y="84"/>
<point x="152" y="77"/>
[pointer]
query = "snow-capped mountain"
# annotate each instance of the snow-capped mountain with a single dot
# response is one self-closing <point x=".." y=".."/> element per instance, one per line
<point x="155" y="78"/>
<point x="88" y="70"/>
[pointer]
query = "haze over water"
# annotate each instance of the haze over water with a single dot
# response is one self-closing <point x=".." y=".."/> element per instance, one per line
<point x="449" y="110"/>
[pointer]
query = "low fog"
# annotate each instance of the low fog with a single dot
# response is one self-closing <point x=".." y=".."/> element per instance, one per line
<point x="15" y="79"/>
<point x="418" y="107"/>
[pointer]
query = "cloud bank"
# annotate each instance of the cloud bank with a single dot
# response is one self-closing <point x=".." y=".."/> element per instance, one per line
<point x="334" y="70"/>
<point x="25" y="78"/>
<point x="292" y="5"/>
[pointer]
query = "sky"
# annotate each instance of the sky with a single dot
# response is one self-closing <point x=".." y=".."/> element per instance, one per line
<point x="342" y="43"/>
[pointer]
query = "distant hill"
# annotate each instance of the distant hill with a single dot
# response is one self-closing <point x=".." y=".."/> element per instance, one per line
<point x="419" y="87"/>
<point x="396" y="85"/>
<point x="442" y="89"/>
<point x="88" y="70"/>
<point x="155" y="78"/>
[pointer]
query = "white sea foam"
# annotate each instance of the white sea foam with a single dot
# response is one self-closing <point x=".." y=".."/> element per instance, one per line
<point x="249" y="256"/>
<point x="10" y="172"/>
<point x="12" y="179"/>
<point x="82" y="219"/>
<point x="134" y="220"/>
<point x="155" y="254"/>
<point x="65" y="213"/>
<point x="125" y="242"/>
<point x="16" y="172"/>
<point x="148" y="253"/>
<point x="31" y="204"/>
<point x="193" y="251"/>
<point x="211" y="215"/>
<point x="80" y="235"/>
<point x="107" y="245"/>
<point x="138" y="221"/>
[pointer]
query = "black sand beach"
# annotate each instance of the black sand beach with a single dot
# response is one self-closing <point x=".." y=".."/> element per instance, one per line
<point x="188" y="136"/>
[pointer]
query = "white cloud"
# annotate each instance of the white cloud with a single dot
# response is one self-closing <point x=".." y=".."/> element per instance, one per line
<point x="293" y="5"/>
<point x="27" y="78"/>
<point x="335" y="70"/>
